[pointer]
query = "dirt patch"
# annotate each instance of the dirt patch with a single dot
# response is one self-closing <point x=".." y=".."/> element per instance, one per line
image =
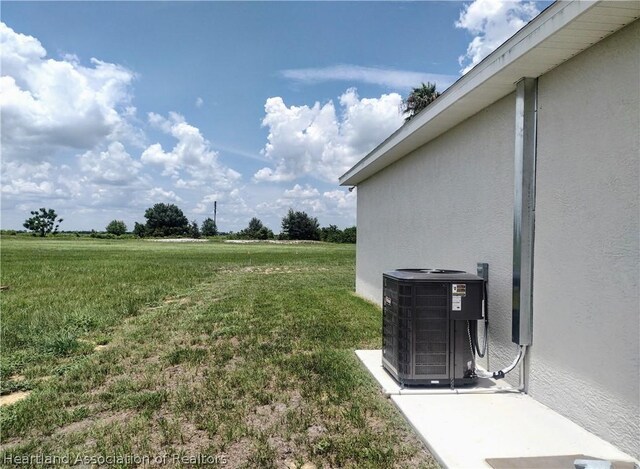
<point x="17" y="378"/>
<point x="152" y="360"/>
<point x="185" y="300"/>
<point x="286" y="450"/>
<point x="271" y="270"/>
<point x="106" y="418"/>
<point x="375" y="423"/>
<point x="233" y="364"/>
<point x="194" y="440"/>
<point x="179" y="433"/>
<point x="14" y="397"/>
<point x="316" y="431"/>
<point x="283" y="270"/>
<point x="238" y="453"/>
<point x="10" y="444"/>
<point x="177" y="375"/>
<point x="178" y="240"/>
<point x="270" y="241"/>
<point x="295" y="399"/>
<point x="266" y="416"/>
<point x="96" y="347"/>
<point x="75" y="427"/>
<point x="292" y="465"/>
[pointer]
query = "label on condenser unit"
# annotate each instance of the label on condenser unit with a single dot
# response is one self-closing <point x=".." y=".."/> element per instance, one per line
<point x="459" y="289"/>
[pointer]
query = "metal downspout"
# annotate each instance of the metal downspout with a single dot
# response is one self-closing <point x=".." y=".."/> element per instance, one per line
<point x="524" y="218"/>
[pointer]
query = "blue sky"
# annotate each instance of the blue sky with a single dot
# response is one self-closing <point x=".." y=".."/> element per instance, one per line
<point x="110" y="107"/>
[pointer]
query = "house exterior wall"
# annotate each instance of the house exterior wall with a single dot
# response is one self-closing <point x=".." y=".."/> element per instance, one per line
<point x="449" y="204"/>
<point x="586" y="327"/>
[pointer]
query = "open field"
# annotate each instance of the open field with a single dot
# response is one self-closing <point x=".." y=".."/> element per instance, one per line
<point x="132" y="347"/>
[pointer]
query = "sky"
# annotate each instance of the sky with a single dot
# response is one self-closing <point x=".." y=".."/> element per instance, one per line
<point x="110" y="107"/>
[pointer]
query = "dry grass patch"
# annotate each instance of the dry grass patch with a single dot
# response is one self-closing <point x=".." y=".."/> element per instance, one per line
<point x="240" y="362"/>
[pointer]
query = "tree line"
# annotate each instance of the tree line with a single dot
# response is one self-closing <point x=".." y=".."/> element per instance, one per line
<point x="168" y="220"/>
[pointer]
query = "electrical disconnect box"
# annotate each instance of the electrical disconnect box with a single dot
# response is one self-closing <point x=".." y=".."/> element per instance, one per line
<point x="426" y="329"/>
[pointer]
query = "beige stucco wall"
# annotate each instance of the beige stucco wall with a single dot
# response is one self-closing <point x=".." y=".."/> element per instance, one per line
<point x="449" y="204"/>
<point x="586" y="335"/>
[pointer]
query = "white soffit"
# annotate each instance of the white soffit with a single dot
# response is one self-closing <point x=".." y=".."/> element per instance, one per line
<point x="563" y="30"/>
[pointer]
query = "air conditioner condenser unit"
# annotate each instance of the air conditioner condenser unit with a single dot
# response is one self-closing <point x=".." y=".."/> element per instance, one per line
<point x="426" y="334"/>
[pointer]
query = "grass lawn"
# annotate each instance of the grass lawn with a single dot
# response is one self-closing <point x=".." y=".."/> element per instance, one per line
<point x="237" y="351"/>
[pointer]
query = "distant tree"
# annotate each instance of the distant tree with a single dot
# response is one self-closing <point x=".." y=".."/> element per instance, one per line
<point x="418" y="99"/>
<point x="139" y="230"/>
<point x="195" y="231"/>
<point x="166" y="220"/>
<point x="331" y="234"/>
<point x="116" y="227"/>
<point x="256" y="230"/>
<point x="349" y="235"/>
<point x="43" y="222"/>
<point x="265" y="233"/>
<point x="299" y="225"/>
<point x="209" y="227"/>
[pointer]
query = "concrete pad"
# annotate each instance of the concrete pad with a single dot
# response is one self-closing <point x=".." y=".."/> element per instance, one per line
<point x="372" y="360"/>
<point x="463" y="429"/>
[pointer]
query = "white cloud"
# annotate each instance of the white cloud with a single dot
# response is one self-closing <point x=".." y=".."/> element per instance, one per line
<point x="67" y="133"/>
<point x="234" y="211"/>
<point x="318" y="142"/>
<point x="233" y="149"/>
<point x="341" y="201"/>
<point x="112" y="167"/>
<point x="49" y="104"/>
<point x="336" y="206"/>
<point x="37" y="182"/>
<point x="162" y="123"/>
<point x="26" y="187"/>
<point x="305" y="198"/>
<point x="199" y="102"/>
<point x="299" y="192"/>
<point x="397" y="79"/>
<point x="492" y="22"/>
<point x="206" y="203"/>
<point x="101" y="180"/>
<point x="191" y="154"/>
<point x="158" y="194"/>
<point x="187" y="184"/>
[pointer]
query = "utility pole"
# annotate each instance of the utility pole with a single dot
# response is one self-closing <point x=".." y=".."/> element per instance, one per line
<point x="215" y="212"/>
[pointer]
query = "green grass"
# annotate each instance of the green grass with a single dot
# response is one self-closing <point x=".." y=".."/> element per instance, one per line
<point x="244" y="351"/>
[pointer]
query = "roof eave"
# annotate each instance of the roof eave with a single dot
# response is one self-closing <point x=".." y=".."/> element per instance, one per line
<point x="492" y="79"/>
